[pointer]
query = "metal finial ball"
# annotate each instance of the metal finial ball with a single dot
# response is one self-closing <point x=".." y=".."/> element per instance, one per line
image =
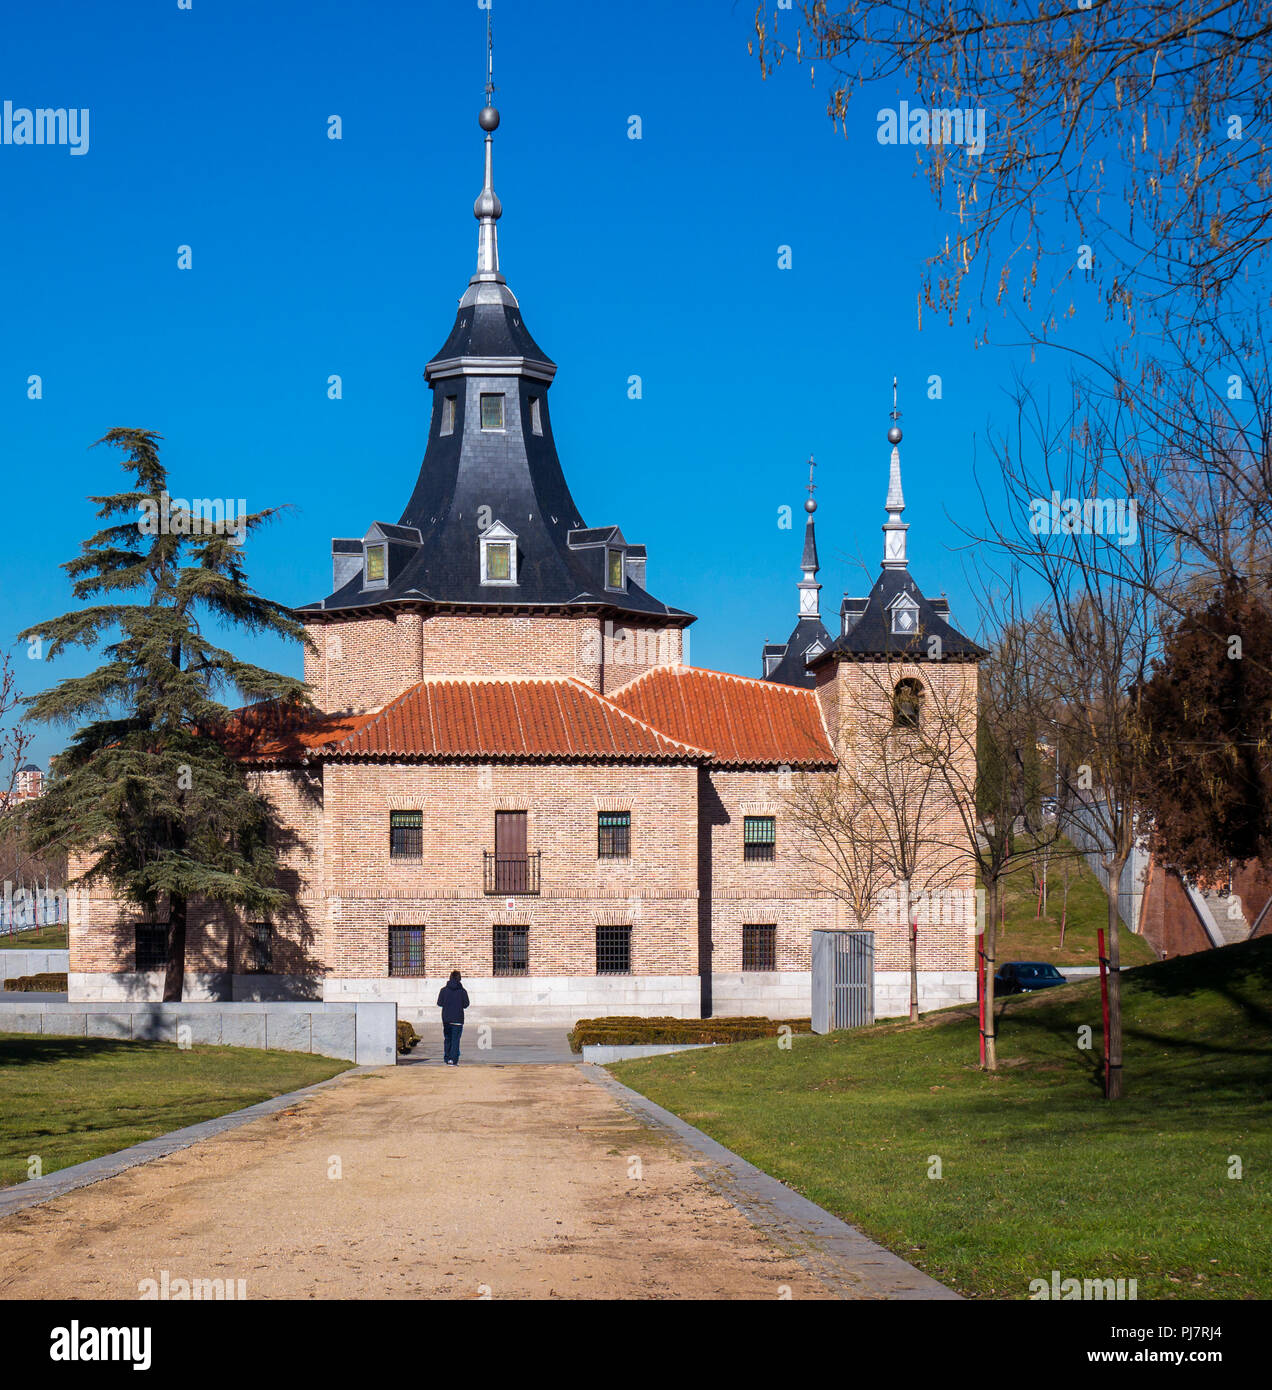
<point x="488" y="118"/>
<point x="810" y="506"/>
<point x="894" y="435"/>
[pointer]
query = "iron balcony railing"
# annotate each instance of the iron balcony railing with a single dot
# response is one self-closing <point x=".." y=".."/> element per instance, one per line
<point x="512" y="874"/>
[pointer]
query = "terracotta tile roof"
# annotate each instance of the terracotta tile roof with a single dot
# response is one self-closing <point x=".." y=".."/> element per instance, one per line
<point x="273" y="733"/>
<point x="745" y="722"/>
<point x="524" y="718"/>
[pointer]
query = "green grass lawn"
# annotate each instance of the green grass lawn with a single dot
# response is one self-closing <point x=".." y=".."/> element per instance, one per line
<point x="71" y="1099"/>
<point x="36" y="939"/>
<point x="1030" y="937"/>
<point x="1038" y="1171"/>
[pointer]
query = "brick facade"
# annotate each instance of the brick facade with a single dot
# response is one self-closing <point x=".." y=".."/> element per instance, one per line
<point x="359" y="663"/>
<point x="687" y="890"/>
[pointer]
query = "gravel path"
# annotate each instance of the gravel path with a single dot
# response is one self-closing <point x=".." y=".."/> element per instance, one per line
<point x="469" y="1182"/>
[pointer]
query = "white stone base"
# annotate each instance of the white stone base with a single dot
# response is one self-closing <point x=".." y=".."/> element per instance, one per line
<point x="938" y="989"/>
<point x="534" y="999"/>
<point x="763" y="993"/>
<point x="547" y="999"/>
<point x="144" y="986"/>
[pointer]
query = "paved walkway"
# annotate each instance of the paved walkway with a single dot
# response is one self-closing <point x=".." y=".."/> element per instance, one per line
<point x="425" y="1181"/>
<point x="500" y="1044"/>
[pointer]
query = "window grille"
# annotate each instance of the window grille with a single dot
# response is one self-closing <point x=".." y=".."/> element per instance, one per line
<point x="151" y="945"/>
<point x="406" y="951"/>
<point x="511" y="950"/>
<point x="259" y="953"/>
<point x="759" y="947"/>
<point x="613" y="835"/>
<point x="613" y="950"/>
<point x="759" y="837"/>
<point x="406" y="834"/>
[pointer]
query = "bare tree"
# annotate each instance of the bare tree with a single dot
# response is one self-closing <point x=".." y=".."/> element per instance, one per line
<point x="877" y="827"/>
<point x="1072" y="520"/>
<point x="1125" y="125"/>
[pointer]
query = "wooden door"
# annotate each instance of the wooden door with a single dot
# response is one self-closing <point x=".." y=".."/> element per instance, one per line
<point x="510" y="851"/>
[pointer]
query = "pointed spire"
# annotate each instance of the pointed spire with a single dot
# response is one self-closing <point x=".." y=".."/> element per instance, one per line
<point x="894" y="528"/>
<point x="809" y="588"/>
<point x="488" y="209"/>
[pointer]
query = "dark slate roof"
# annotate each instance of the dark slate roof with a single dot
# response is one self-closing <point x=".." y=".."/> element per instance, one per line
<point x="511" y="476"/>
<point x="486" y="329"/>
<point x="809" y="559"/>
<point x="791" y="670"/>
<point x="871" y="636"/>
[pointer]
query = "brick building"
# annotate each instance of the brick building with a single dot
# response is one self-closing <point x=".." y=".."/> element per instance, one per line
<point x="514" y="774"/>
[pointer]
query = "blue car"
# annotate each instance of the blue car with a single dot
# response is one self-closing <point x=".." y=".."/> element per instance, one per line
<point x="1025" y="976"/>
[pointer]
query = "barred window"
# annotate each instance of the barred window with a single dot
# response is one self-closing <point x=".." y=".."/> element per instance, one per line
<point x="614" y="835"/>
<point x="258" y="957"/>
<point x="150" y="944"/>
<point x="759" y="947"/>
<point x="613" y="950"/>
<point x="511" y="950"/>
<point x="759" y="837"/>
<point x="406" y="834"/>
<point x="406" y="951"/>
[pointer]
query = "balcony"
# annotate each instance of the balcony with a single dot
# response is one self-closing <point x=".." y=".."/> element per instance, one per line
<point x="509" y="876"/>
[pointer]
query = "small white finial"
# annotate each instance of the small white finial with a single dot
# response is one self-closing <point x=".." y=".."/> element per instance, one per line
<point x="894" y="528"/>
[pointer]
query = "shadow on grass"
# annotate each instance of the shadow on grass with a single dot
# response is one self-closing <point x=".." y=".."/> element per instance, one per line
<point x="19" y="1049"/>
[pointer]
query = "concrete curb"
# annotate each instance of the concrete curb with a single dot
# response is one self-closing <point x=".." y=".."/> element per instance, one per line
<point x="37" y="1190"/>
<point x="848" y="1262"/>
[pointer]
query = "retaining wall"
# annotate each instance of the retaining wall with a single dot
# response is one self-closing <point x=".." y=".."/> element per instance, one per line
<point x="24" y="962"/>
<point x="365" y="1033"/>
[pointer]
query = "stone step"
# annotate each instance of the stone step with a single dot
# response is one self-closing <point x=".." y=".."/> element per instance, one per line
<point x="1228" y="912"/>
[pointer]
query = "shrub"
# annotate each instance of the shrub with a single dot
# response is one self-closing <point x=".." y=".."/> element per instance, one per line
<point x="625" y="1031"/>
<point x="407" y="1037"/>
<point x="49" y="983"/>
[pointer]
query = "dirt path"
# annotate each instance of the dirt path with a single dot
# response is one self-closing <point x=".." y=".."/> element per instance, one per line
<point x="453" y="1182"/>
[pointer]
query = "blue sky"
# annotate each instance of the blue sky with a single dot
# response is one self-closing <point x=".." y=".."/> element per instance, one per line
<point x="656" y="257"/>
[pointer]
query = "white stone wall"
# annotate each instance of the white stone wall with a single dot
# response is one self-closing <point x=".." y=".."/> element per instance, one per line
<point x="938" y="989"/>
<point x="534" y="999"/>
<point x="766" y="993"/>
<point x="144" y="986"/>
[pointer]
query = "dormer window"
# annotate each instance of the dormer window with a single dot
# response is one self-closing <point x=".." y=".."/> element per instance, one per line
<point x="376" y="571"/>
<point x="492" y="411"/>
<point x="384" y="551"/>
<point x="905" y="616"/>
<point x="498" y="555"/>
<point x="448" y="415"/>
<point x="614" y="578"/>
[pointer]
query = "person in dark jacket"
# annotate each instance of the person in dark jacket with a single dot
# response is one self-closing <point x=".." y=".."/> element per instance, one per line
<point x="452" y="999"/>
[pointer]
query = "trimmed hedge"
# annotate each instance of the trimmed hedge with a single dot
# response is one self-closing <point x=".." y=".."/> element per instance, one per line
<point x="49" y="983"/>
<point x="625" y="1031"/>
<point x="407" y="1037"/>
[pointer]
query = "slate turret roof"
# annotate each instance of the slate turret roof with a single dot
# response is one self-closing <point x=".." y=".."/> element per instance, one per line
<point x="786" y="662"/>
<point x="497" y="469"/>
<point x="895" y="619"/>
